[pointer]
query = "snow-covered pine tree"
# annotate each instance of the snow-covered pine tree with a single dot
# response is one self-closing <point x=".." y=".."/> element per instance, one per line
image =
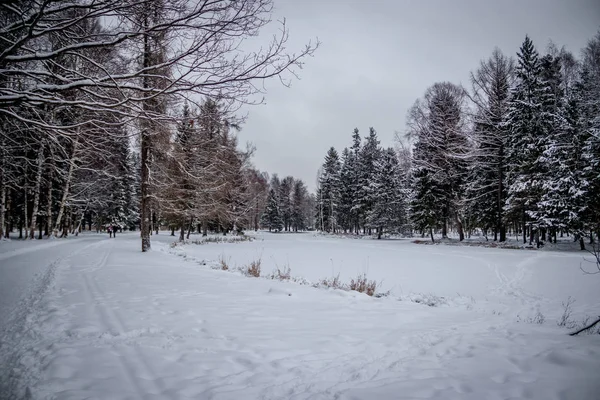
<point x="367" y="158"/>
<point x="356" y="211"/>
<point x="271" y="218"/>
<point x="299" y="199"/>
<point x="560" y="153"/>
<point x="486" y="187"/>
<point x="329" y="191"/>
<point x="441" y="149"/>
<point x="525" y="175"/>
<point x="590" y="114"/>
<point x="347" y="174"/>
<point x="285" y="201"/>
<point x="388" y="210"/>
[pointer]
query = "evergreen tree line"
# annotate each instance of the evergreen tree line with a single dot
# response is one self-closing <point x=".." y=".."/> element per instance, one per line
<point x="363" y="190"/>
<point x="90" y="132"/>
<point x="288" y="206"/>
<point x="516" y="154"/>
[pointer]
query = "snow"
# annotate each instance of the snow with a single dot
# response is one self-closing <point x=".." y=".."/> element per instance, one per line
<point x="107" y="321"/>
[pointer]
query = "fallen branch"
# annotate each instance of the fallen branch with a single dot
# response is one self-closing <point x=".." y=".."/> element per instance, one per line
<point x="585" y="328"/>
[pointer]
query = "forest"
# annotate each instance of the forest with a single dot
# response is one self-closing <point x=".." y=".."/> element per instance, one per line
<point x="517" y="153"/>
<point x="124" y="114"/>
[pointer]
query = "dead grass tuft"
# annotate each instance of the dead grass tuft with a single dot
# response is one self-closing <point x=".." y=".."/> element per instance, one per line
<point x="223" y="264"/>
<point x="362" y="285"/>
<point x="254" y="268"/>
<point x="282" y="275"/>
<point x="334" y="283"/>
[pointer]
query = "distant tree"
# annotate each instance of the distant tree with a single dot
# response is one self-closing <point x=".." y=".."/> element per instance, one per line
<point x="271" y="218"/>
<point x="300" y="198"/>
<point x="329" y="192"/>
<point x="388" y="211"/>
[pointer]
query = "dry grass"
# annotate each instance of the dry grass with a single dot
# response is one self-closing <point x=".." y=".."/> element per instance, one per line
<point x="282" y="275"/>
<point x="223" y="264"/>
<point x="363" y="285"/>
<point x="334" y="283"/>
<point x="254" y="268"/>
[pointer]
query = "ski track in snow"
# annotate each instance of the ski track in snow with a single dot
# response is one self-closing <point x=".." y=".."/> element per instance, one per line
<point x="106" y="321"/>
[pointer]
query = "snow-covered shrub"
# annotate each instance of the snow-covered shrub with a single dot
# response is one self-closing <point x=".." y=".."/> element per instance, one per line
<point x="565" y="319"/>
<point x="538" y="318"/>
<point x="334" y="283"/>
<point x="223" y="264"/>
<point x="253" y="269"/>
<point x="429" y="300"/>
<point x="362" y="285"/>
<point x="282" y="275"/>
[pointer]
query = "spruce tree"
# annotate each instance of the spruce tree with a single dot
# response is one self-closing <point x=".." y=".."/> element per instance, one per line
<point x="388" y="208"/>
<point x="368" y="157"/>
<point x="329" y="195"/>
<point x="347" y="173"/>
<point x="526" y="142"/>
<point x="271" y="218"/>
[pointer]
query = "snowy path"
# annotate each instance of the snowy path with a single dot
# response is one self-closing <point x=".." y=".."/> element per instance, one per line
<point x="22" y="263"/>
<point x="108" y="322"/>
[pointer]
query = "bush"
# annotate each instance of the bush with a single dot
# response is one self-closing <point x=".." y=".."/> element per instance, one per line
<point x="280" y="275"/>
<point x="254" y="268"/>
<point x="223" y="264"/>
<point x="565" y="320"/>
<point x="362" y="285"/>
<point x="334" y="283"/>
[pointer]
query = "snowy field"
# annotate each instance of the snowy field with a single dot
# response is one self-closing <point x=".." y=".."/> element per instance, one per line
<point x="94" y="318"/>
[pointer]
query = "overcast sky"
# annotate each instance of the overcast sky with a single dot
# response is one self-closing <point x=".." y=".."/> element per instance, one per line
<point x="377" y="57"/>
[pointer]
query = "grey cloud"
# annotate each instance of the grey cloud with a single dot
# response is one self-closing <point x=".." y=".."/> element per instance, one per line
<point x="378" y="56"/>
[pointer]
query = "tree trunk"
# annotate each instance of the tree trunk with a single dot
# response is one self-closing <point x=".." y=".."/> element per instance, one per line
<point x="500" y="227"/>
<point x="431" y="234"/>
<point x="80" y="221"/>
<point x="461" y="232"/>
<point x="190" y="228"/>
<point x="49" y="207"/>
<point x="172" y="230"/>
<point x="2" y="203"/>
<point x="581" y="243"/>
<point x="182" y="232"/>
<point x="204" y="228"/>
<point x="145" y="144"/>
<point x="379" y="230"/>
<point x="36" y="194"/>
<point x="524" y="228"/>
<point x="66" y="189"/>
<point x="25" y="219"/>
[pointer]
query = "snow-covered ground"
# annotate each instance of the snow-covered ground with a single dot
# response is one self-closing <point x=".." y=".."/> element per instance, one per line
<point x="101" y="320"/>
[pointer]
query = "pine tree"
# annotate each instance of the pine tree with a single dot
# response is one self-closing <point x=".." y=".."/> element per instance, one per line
<point x="271" y="218"/>
<point x="525" y="173"/>
<point x="560" y="153"/>
<point x="347" y="174"/>
<point x="486" y="182"/>
<point x="590" y="125"/>
<point x="353" y="176"/>
<point x="388" y="209"/>
<point x="299" y="200"/>
<point x="285" y="201"/>
<point x="367" y="159"/>
<point x="329" y="191"/>
<point x="440" y="158"/>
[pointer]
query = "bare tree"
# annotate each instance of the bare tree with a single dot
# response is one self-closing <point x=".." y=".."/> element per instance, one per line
<point x="187" y="48"/>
